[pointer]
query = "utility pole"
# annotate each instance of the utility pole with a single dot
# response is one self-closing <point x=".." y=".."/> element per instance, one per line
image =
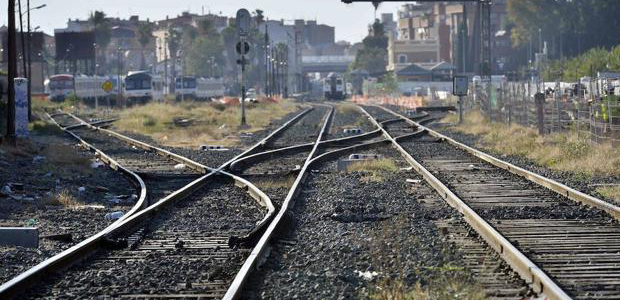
<point x="10" y="126"/>
<point x="120" y="77"/>
<point x="21" y="35"/>
<point x="266" y="91"/>
<point x="166" y="63"/>
<point x="29" y="56"/>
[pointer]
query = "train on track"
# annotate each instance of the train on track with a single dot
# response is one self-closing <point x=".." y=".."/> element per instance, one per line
<point x="334" y="87"/>
<point x="194" y="87"/>
<point x="137" y="87"/>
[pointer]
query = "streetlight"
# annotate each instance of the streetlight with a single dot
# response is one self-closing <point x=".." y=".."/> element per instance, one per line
<point x="28" y="9"/>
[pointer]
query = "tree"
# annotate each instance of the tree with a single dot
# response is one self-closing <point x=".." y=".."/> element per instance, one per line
<point x="206" y="28"/>
<point x="202" y="56"/>
<point x="102" y="32"/>
<point x="258" y="15"/>
<point x="145" y="35"/>
<point x="373" y="56"/>
<point x="570" y="27"/>
<point x="174" y="44"/>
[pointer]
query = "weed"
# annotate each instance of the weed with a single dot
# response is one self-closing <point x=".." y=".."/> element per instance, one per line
<point x="610" y="192"/>
<point x="373" y="170"/>
<point x="43" y="127"/>
<point x="565" y="151"/>
<point x="281" y="182"/>
<point x="212" y="122"/>
<point x="62" y="198"/>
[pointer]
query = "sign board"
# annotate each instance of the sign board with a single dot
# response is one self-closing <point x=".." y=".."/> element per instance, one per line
<point x="21" y="107"/>
<point x="107" y="86"/>
<point x="242" y="47"/>
<point x="243" y="22"/>
<point x="460" y="85"/>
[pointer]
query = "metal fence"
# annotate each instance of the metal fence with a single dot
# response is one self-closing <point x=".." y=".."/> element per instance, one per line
<point x="593" y="116"/>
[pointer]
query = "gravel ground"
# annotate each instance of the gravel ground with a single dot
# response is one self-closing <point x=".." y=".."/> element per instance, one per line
<point x="349" y="118"/>
<point x="183" y="250"/>
<point x="159" y="173"/>
<point x="215" y="159"/>
<point x="565" y="208"/>
<point x="304" y="131"/>
<point x="343" y="224"/>
<point x="585" y="185"/>
<point x="48" y="165"/>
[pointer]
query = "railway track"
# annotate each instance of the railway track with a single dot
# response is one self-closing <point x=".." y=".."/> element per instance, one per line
<point x="146" y="235"/>
<point x="520" y="233"/>
<point x="564" y="249"/>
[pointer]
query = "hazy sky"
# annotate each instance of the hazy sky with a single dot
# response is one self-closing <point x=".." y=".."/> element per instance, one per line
<point x="350" y="20"/>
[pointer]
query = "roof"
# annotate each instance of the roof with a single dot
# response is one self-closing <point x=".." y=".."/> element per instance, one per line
<point x="443" y="66"/>
<point x="413" y="69"/>
<point x="608" y="74"/>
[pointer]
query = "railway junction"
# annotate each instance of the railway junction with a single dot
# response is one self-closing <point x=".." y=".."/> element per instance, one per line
<point x="234" y="157"/>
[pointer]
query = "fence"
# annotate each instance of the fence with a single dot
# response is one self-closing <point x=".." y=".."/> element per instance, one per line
<point x="593" y="116"/>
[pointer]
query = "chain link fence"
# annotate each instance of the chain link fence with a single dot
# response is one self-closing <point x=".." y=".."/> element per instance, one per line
<point x="566" y="107"/>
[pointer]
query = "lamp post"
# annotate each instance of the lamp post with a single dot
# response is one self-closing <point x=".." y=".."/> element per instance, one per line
<point x="10" y="126"/>
<point x="29" y="57"/>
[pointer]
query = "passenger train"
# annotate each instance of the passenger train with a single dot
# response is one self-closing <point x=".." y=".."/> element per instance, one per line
<point x="334" y="87"/>
<point x="193" y="87"/>
<point x="141" y="86"/>
<point x="137" y="87"/>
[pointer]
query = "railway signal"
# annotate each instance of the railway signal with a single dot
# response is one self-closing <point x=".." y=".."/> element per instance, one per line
<point x="460" y="88"/>
<point x="243" y="22"/>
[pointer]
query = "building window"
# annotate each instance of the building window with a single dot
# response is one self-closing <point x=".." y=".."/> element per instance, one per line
<point x="402" y="58"/>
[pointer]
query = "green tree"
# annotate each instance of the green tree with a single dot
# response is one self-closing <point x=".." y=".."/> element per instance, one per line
<point x="174" y="44"/>
<point x="373" y="56"/>
<point x="102" y="34"/>
<point x="203" y="55"/>
<point x="570" y="27"/>
<point x="145" y="36"/>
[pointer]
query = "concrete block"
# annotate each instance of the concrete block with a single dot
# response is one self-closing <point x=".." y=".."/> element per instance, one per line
<point x="351" y="131"/>
<point x="213" y="148"/>
<point x="19" y="236"/>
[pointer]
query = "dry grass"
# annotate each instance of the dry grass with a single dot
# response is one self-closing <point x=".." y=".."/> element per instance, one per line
<point x="373" y="169"/>
<point x="445" y="282"/>
<point x="559" y="151"/>
<point x="610" y="192"/>
<point x="62" y="198"/>
<point x="347" y="108"/>
<point x="210" y="122"/>
<point x="282" y="182"/>
<point x="447" y="286"/>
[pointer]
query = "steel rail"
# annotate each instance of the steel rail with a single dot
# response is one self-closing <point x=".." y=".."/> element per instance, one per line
<point x="239" y="164"/>
<point x="289" y="202"/>
<point x="254" y="191"/>
<point x="66" y="258"/>
<point x="91" y="123"/>
<point x="530" y="272"/>
<point x="551" y="184"/>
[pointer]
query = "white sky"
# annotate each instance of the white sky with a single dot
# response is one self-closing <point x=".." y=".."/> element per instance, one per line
<point x="351" y="20"/>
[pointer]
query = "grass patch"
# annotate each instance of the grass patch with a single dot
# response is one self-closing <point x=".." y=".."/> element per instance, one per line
<point x="610" y="192"/>
<point x="373" y="169"/>
<point x="446" y="285"/>
<point x="42" y="127"/>
<point x="66" y="156"/>
<point x="41" y="103"/>
<point x="565" y="151"/>
<point x="439" y="280"/>
<point x="347" y="108"/>
<point x="281" y="182"/>
<point x="62" y="198"/>
<point x="209" y="122"/>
